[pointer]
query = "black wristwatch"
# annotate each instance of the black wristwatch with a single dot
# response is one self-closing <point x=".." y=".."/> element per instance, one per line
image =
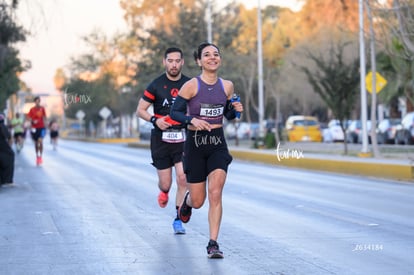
<point x="153" y="119"/>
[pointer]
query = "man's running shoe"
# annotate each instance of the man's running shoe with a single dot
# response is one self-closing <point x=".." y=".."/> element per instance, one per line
<point x="184" y="212"/>
<point x="178" y="227"/>
<point x="38" y="160"/>
<point x="213" y="250"/>
<point x="163" y="199"/>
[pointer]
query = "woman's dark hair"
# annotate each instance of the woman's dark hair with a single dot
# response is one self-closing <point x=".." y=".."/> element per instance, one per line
<point x="197" y="54"/>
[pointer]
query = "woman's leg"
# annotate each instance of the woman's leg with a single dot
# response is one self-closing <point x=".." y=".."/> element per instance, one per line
<point x="216" y="180"/>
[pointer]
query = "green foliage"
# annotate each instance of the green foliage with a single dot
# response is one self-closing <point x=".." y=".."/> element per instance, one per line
<point x="187" y="34"/>
<point x="10" y="64"/>
<point x="335" y="80"/>
<point x="9" y="82"/>
<point x="270" y="141"/>
<point x="10" y="31"/>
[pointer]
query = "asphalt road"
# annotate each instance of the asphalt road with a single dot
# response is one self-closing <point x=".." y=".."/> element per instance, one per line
<point x="92" y="209"/>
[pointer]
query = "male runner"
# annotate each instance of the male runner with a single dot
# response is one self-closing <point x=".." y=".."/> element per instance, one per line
<point x="37" y="116"/>
<point x="167" y="136"/>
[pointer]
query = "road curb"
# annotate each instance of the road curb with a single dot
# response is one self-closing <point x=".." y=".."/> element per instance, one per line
<point x="389" y="169"/>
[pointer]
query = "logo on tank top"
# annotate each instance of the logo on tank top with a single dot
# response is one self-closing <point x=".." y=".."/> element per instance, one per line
<point x="174" y="92"/>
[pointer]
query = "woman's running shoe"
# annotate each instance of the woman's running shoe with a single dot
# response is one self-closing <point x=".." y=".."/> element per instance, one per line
<point x="213" y="250"/>
<point x="184" y="212"/>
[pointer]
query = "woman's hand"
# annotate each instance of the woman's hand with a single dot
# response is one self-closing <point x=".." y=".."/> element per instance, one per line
<point x="200" y="124"/>
<point x="238" y="106"/>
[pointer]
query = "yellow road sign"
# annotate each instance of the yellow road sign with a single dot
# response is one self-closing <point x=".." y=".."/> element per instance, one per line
<point x="380" y="82"/>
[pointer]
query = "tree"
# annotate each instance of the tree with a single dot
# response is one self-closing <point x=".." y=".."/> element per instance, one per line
<point x="10" y="64"/>
<point x="90" y="97"/>
<point x="186" y="29"/>
<point x="396" y="22"/>
<point x="336" y="81"/>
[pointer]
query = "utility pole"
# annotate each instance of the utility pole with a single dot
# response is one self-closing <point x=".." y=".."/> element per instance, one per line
<point x="260" y="71"/>
<point x="364" y="150"/>
<point x="209" y="23"/>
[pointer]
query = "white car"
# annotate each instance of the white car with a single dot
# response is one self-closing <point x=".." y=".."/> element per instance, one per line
<point x="334" y="132"/>
<point x="242" y="130"/>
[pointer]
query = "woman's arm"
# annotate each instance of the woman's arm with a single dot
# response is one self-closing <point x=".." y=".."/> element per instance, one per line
<point x="179" y="108"/>
<point x="231" y="107"/>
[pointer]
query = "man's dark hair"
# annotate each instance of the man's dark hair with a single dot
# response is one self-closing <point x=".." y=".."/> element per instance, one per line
<point x="173" y="50"/>
<point x="36" y="98"/>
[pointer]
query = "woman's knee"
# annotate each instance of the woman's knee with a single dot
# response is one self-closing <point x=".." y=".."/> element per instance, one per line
<point x="197" y="200"/>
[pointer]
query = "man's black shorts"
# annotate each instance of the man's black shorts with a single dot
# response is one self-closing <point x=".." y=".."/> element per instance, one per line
<point x="38" y="133"/>
<point x="164" y="155"/>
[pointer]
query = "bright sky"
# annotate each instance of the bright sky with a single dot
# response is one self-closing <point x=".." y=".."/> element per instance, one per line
<point x="58" y="25"/>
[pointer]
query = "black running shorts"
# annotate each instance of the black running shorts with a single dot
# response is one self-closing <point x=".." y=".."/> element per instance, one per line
<point x="164" y="155"/>
<point x="38" y="133"/>
<point x="204" y="152"/>
<point x="54" y="134"/>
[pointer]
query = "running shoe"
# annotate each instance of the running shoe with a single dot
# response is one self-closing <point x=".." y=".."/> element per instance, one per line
<point x="178" y="227"/>
<point x="184" y="212"/>
<point x="213" y="250"/>
<point x="38" y="160"/>
<point x="163" y="199"/>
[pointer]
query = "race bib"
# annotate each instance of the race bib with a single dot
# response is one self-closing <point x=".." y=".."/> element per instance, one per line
<point x="173" y="135"/>
<point x="211" y="110"/>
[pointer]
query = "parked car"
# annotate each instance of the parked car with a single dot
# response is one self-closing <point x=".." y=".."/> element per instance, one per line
<point x="405" y="130"/>
<point x="303" y="128"/>
<point x="144" y="129"/>
<point x="333" y="133"/>
<point x="254" y="130"/>
<point x="387" y="129"/>
<point x="354" y="131"/>
<point x="242" y="131"/>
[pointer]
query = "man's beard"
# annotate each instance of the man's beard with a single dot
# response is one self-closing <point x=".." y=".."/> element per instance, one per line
<point x="173" y="73"/>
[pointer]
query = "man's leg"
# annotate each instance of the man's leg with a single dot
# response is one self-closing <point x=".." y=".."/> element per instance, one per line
<point x="179" y="196"/>
<point x="181" y="183"/>
<point x="164" y="184"/>
<point x="40" y="143"/>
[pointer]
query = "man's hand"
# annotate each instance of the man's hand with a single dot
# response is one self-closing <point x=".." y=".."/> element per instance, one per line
<point x="162" y="123"/>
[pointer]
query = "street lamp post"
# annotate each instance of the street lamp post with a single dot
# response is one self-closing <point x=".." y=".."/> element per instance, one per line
<point x="260" y="71"/>
<point x="209" y="23"/>
<point x="363" y="84"/>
